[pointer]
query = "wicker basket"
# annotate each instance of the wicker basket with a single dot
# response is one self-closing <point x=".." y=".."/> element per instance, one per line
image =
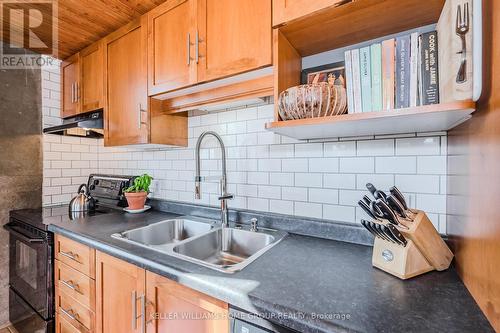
<point x="312" y="101"/>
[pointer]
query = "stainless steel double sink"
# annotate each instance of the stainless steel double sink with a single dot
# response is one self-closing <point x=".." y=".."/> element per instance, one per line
<point x="204" y="242"/>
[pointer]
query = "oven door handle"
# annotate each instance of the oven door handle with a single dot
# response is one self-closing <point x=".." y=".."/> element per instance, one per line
<point x="23" y="236"/>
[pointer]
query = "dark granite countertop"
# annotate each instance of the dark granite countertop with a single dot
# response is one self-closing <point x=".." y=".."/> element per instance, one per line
<point x="304" y="283"/>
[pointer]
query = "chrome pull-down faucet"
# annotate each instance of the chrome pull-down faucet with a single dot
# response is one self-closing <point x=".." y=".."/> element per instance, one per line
<point x="224" y="196"/>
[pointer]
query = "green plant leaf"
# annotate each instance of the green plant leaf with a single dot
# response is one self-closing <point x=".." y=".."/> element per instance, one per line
<point x="141" y="184"/>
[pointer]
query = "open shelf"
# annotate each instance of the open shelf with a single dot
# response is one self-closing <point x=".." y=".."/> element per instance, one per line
<point x="356" y="22"/>
<point x="429" y="118"/>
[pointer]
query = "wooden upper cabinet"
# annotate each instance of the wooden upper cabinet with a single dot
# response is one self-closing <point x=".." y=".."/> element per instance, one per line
<point x="185" y="308"/>
<point x="118" y="286"/>
<point x="289" y="10"/>
<point x="234" y="37"/>
<point x="126" y="116"/>
<point x="171" y="41"/>
<point x="91" y="68"/>
<point x="70" y="71"/>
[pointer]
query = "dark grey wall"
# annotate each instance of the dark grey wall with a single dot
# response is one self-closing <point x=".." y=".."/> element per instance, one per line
<point x="20" y="156"/>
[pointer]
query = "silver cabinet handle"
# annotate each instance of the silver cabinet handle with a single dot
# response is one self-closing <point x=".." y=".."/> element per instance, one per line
<point x="139" y="120"/>
<point x="77" y="91"/>
<point x="73" y="92"/>
<point x="197" y="46"/>
<point x="71" y="285"/>
<point x="71" y="255"/>
<point x="134" y="310"/>
<point x="188" y="49"/>
<point x="69" y="313"/>
<point x="143" y="315"/>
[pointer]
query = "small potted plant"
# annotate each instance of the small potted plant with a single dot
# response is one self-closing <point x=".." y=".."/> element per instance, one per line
<point x="137" y="193"/>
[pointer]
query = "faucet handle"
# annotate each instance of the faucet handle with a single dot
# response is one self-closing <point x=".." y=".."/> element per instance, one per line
<point x="253" y="224"/>
<point x="226" y="196"/>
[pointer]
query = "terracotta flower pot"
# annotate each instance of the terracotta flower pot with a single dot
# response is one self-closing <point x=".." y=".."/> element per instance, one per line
<point x="136" y="200"/>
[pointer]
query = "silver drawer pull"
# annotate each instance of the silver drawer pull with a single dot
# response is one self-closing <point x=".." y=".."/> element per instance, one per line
<point x="71" y="285"/>
<point x="71" y="255"/>
<point x="70" y="313"/>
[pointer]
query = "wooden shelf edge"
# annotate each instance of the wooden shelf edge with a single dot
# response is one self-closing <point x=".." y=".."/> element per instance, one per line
<point x="429" y="118"/>
<point x="421" y="110"/>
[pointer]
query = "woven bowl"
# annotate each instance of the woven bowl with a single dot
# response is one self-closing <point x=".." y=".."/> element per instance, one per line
<point x="312" y="101"/>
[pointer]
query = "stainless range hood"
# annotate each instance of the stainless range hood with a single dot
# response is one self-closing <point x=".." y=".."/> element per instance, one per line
<point x="89" y="124"/>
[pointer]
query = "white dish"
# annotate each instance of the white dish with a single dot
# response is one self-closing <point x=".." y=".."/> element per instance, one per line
<point x="137" y="211"/>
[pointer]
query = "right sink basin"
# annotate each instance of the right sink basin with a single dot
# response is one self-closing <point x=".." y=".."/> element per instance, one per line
<point x="229" y="249"/>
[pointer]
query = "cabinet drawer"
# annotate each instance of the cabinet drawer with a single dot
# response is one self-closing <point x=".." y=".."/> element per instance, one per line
<point x="75" y="284"/>
<point x="63" y="326"/>
<point x="75" y="255"/>
<point x="74" y="313"/>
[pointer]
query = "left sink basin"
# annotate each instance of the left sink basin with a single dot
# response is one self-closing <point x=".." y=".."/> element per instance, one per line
<point x="165" y="232"/>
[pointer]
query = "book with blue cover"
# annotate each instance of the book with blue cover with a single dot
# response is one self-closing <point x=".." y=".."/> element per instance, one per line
<point x="366" y="78"/>
<point x="376" y="70"/>
<point x="349" y="82"/>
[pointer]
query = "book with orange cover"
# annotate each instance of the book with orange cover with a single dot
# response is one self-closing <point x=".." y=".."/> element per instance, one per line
<point x="388" y="73"/>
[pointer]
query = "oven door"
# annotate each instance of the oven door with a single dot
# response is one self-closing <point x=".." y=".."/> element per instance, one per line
<point x="30" y="266"/>
<point x="24" y="318"/>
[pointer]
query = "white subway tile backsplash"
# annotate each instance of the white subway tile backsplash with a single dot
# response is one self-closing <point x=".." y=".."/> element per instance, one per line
<point x="266" y="172"/>
<point x="357" y="164"/>
<point x="323" y="165"/>
<point x="295" y="165"/>
<point x="281" y="207"/>
<point x="309" y="150"/>
<point x="308" y="180"/>
<point x="435" y="165"/>
<point x="340" y="181"/>
<point x="396" y="164"/>
<point x="321" y="195"/>
<point x="282" y="179"/>
<point x="339" y="213"/>
<point x="375" y="148"/>
<point x="308" y="209"/>
<point x="294" y="193"/>
<point x="418" y="183"/>
<point x="418" y="146"/>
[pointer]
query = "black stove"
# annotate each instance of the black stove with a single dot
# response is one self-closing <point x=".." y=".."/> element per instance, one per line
<point x="31" y="252"/>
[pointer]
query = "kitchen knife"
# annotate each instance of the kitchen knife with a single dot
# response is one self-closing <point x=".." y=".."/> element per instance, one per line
<point x="397" y="235"/>
<point x="401" y="198"/>
<point x="396" y="206"/>
<point x="367" y="200"/>
<point x="377" y="194"/>
<point x="380" y="234"/>
<point x="388" y="234"/>
<point x="367" y="209"/>
<point x="365" y="224"/>
<point x="385" y="235"/>
<point x="388" y="213"/>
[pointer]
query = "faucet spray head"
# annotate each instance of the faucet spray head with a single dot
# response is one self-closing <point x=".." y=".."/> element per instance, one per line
<point x="197" y="190"/>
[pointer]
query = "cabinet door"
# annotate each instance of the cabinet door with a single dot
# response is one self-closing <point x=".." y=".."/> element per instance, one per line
<point x="69" y="85"/>
<point x="91" y="65"/>
<point x="235" y="36"/>
<point x="120" y="291"/>
<point x="126" y="116"/>
<point x="288" y="10"/>
<point x="173" y="308"/>
<point x="171" y="46"/>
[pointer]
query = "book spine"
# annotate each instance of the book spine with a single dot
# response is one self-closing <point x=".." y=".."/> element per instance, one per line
<point x="388" y="74"/>
<point x="376" y="69"/>
<point x="402" y="72"/>
<point x="366" y="78"/>
<point x="414" y="57"/>
<point x="349" y="82"/>
<point x="429" y="63"/>
<point x="356" y="80"/>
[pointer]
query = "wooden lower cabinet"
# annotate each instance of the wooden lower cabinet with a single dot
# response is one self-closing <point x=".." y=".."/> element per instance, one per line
<point x="130" y="299"/>
<point x="173" y="308"/>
